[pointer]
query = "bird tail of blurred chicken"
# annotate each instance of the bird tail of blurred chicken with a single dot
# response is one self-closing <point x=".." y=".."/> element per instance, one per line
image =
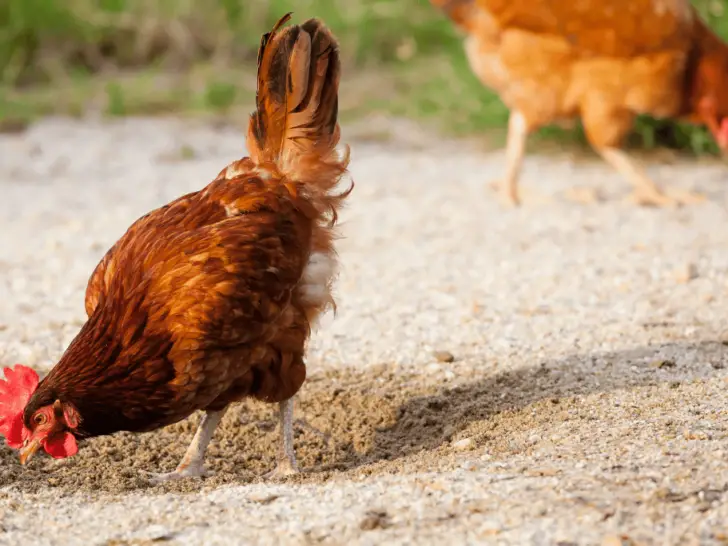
<point x="464" y="13"/>
<point x="295" y="124"/>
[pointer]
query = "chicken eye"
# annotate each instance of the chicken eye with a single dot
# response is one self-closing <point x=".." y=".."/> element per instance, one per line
<point x="40" y="419"/>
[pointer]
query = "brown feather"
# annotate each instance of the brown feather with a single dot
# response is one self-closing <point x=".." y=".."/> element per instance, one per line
<point x="295" y="125"/>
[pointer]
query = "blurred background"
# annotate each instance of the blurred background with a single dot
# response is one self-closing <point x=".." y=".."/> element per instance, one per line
<point x="403" y="58"/>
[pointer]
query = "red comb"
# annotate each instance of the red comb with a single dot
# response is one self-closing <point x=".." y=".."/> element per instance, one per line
<point x="15" y="391"/>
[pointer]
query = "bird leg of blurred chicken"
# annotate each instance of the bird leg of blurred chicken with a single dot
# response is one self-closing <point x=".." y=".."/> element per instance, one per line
<point x="286" y="461"/>
<point x="646" y="192"/>
<point x="515" y="149"/>
<point x="606" y="126"/>
<point x="192" y="464"/>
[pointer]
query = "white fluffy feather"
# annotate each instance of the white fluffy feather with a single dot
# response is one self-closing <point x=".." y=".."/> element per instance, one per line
<point x="317" y="276"/>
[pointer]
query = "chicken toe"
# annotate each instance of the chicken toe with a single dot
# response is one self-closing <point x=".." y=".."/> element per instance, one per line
<point x="654" y="197"/>
<point x="282" y="470"/>
<point x="286" y="464"/>
<point x="650" y="197"/>
<point x="646" y="192"/>
<point x="192" y="464"/>
<point x="508" y="192"/>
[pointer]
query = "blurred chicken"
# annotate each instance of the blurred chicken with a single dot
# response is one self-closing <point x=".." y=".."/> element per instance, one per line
<point x="210" y="298"/>
<point x="604" y="61"/>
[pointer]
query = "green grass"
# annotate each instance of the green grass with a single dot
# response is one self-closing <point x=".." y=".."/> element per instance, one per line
<point x="128" y="57"/>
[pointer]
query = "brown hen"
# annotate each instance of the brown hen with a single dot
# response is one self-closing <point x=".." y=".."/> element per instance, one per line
<point x="211" y="298"/>
<point x="604" y="61"/>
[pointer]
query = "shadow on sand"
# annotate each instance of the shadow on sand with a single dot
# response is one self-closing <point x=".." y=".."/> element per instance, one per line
<point x="371" y="418"/>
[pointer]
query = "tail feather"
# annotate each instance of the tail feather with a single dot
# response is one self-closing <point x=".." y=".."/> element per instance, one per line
<point x="464" y="13"/>
<point x="295" y="124"/>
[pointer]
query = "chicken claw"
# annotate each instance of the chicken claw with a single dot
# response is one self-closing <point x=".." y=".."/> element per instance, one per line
<point x="508" y="192"/>
<point x="646" y="196"/>
<point x="646" y="192"/>
<point x="283" y="469"/>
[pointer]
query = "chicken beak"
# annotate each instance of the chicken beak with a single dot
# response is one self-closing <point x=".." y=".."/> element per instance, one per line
<point x="30" y="447"/>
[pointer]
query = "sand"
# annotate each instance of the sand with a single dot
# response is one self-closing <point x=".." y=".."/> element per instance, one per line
<point x="549" y="375"/>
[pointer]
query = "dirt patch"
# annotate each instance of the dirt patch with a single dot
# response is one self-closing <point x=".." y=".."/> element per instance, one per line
<point x="377" y="421"/>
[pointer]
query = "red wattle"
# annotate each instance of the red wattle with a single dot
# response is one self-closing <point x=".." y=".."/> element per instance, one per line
<point x="61" y="446"/>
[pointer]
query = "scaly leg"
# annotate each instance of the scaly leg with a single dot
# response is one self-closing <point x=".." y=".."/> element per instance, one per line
<point x="286" y="463"/>
<point x="192" y="464"/>
<point x="646" y="192"/>
<point x="515" y="150"/>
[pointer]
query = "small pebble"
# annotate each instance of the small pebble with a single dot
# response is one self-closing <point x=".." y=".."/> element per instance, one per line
<point x="263" y="498"/>
<point x="686" y="273"/>
<point x="659" y="364"/>
<point x="612" y="540"/>
<point x="374" y="519"/>
<point x="542" y="472"/>
<point x="444" y="356"/>
<point x="466" y="444"/>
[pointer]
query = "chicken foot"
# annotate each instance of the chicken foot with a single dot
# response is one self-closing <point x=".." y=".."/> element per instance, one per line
<point x="192" y="464"/>
<point x="646" y="192"/>
<point x="286" y="461"/>
<point x="515" y="150"/>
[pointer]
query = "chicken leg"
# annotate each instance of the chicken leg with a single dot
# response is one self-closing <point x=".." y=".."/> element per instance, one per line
<point x="515" y="150"/>
<point x="286" y="460"/>
<point x="192" y="464"/>
<point x="646" y="192"/>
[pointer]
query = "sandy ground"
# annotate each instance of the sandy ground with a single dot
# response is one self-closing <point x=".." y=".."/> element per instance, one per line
<point x="584" y="399"/>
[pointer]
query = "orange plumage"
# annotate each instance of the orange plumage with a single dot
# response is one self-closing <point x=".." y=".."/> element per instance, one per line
<point x="604" y="61"/>
<point x="211" y="298"/>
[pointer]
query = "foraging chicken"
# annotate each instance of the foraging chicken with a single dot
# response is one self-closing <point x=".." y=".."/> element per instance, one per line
<point x="604" y="61"/>
<point x="211" y="297"/>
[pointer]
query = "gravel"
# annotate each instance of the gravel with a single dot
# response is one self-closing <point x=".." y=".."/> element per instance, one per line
<point x="554" y="374"/>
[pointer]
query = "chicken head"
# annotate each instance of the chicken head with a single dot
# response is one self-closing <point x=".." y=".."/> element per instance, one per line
<point x="50" y="427"/>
